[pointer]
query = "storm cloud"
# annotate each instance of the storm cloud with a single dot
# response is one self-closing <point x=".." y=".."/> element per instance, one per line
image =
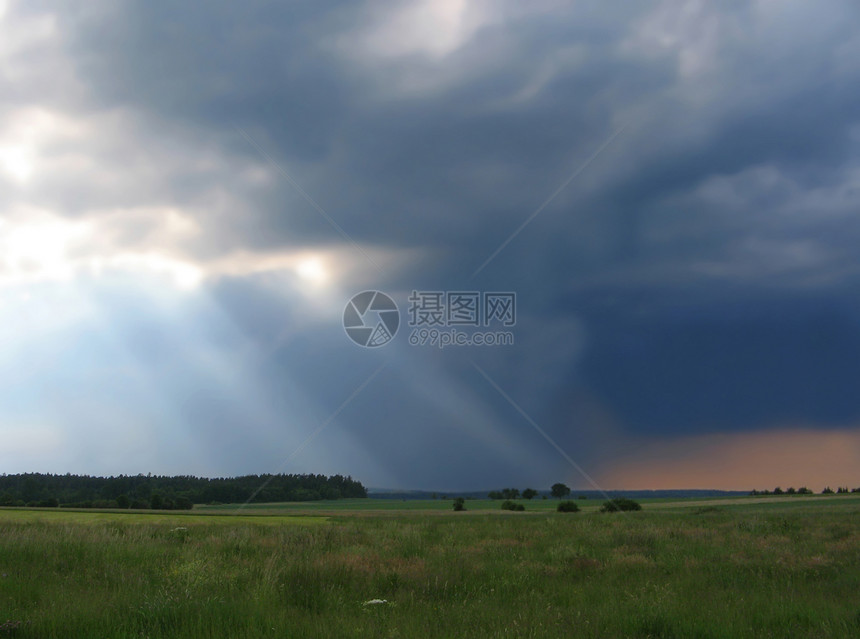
<point x="189" y="195"/>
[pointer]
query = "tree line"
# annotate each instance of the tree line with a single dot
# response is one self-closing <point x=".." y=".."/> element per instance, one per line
<point x="558" y="491"/>
<point x="803" y="490"/>
<point x="169" y="492"/>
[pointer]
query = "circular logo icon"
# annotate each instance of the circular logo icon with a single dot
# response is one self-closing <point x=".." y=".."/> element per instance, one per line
<point x="371" y="319"/>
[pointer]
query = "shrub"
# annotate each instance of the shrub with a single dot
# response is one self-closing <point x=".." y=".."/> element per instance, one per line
<point x="510" y="505"/>
<point x="567" y="507"/>
<point x="827" y="491"/>
<point x="619" y="503"/>
<point x="459" y="504"/>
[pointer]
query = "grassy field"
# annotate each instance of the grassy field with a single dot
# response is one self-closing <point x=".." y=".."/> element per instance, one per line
<point x="707" y="569"/>
<point x="379" y="506"/>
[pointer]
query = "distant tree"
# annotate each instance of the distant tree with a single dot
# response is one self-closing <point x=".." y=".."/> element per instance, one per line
<point x="459" y="504"/>
<point x="567" y="507"/>
<point x="183" y="503"/>
<point x="803" y="490"/>
<point x="495" y="494"/>
<point x="619" y="503"/>
<point x="559" y="490"/>
<point x="777" y="491"/>
<point x="790" y="491"/>
<point x="842" y="490"/>
<point x="123" y="501"/>
<point x="529" y="493"/>
<point x="7" y="499"/>
<point x="510" y="493"/>
<point x="827" y="491"/>
<point x="156" y="502"/>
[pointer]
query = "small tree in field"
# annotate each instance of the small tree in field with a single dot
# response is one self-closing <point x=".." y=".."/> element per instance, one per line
<point x="459" y="504"/>
<point x="567" y="507"/>
<point x="619" y="503"/>
<point x="559" y="490"/>
<point x="529" y="493"/>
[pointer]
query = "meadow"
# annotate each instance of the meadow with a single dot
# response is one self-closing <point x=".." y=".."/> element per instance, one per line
<point x="746" y="567"/>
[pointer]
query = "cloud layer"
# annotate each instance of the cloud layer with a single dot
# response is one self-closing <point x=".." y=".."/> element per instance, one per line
<point x="189" y="197"/>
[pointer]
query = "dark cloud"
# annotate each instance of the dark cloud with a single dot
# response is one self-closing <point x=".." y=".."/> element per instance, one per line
<point x="697" y="276"/>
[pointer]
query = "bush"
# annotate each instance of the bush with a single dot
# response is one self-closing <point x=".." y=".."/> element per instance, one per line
<point x="619" y="503"/>
<point x="459" y="504"/>
<point x="567" y="507"/>
<point x="510" y="505"/>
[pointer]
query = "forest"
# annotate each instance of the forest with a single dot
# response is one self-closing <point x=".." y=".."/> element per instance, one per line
<point x="169" y="492"/>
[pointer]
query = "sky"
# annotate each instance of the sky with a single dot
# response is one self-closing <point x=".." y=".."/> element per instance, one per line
<point x="190" y="195"/>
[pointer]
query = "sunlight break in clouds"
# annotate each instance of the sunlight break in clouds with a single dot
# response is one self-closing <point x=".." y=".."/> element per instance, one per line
<point x="743" y="461"/>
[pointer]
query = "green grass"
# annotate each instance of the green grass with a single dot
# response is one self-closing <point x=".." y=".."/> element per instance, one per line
<point x="748" y="569"/>
<point x="535" y="505"/>
<point x="170" y="518"/>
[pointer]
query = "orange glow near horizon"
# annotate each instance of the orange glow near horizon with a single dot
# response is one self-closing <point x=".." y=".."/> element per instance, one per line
<point x="743" y="461"/>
